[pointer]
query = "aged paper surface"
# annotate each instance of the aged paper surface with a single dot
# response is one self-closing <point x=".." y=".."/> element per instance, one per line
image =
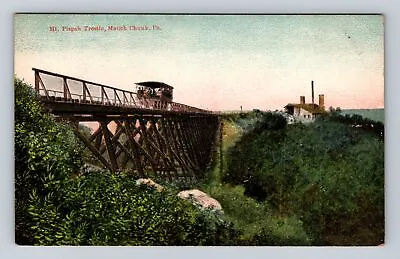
<point x="278" y="120"/>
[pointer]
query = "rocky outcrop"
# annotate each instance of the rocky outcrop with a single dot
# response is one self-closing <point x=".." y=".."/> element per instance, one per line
<point x="201" y="199"/>
<point x="150" y="183"/>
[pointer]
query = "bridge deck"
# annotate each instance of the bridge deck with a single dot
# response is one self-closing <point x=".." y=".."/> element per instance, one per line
<point x="64" y="94"/>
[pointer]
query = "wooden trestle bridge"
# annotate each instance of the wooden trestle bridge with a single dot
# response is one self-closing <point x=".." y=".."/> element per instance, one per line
<point x="142" y="135"/>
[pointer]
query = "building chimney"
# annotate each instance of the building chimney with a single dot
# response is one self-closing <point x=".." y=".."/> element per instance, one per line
<point x="312" y="92"/>
<point x="302" y="99"/>
<point x="321" y="101"/>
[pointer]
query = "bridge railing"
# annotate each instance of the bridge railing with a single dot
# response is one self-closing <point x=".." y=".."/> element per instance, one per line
<point x="61" y="88"/>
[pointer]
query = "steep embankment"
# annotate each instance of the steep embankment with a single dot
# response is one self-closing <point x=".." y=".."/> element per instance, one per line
<point x="327" y="175"/>
<point x="254" y="220"/>
<point x="230" y="132"/>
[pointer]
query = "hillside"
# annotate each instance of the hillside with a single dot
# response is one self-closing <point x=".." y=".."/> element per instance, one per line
<point x="328" y="175"/>
<point x="278" y="184"/>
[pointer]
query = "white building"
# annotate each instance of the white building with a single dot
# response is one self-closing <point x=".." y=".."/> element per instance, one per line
<point x="306" y="112"/>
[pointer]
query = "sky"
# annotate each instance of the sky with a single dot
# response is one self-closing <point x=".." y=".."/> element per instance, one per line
<point x="215" y="62"/>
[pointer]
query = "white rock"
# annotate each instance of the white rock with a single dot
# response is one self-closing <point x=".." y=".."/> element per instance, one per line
<point x="200" y="198"/>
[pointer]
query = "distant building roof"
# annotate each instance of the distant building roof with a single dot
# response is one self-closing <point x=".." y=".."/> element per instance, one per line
<point x="312" y="108"/>
<point x="154" y="84"/>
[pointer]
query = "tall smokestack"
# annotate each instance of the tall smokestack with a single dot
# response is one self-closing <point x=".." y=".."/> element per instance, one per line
<point x="302" y="99"/>
<point x="312" y="92"/>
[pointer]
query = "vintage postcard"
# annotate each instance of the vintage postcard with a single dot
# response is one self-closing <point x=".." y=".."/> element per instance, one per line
<point x="199" y="129"/>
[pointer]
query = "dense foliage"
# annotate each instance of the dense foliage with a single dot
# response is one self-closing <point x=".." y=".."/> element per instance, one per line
<point x="56" y="206"/>
<point x="109" y="209"/>
<point x="328" y="174"/>
<point x="356" y="120"/>
<point x="45" y="156"/>
<point x="256" y="221"/>
<point x="300" y="184"/>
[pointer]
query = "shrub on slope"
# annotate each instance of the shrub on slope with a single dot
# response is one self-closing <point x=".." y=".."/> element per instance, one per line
<point x="329" y="174"/>
<point x="45" y="156"/>
<point x="99" y="208"/>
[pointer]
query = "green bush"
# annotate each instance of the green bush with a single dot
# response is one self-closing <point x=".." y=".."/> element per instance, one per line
<point x="98" y="208"/>
<point x="329" y="174"/>
<point x="109" y="209"/>
<point x="45" y="155"/>
<point x="281" y="231"/>
<point x="255" y="222"/>
<point x="248" y="155"/>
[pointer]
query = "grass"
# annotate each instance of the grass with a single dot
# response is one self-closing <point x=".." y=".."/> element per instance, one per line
<point x="343" y="208"/>
<point x="254" y="220"/>
<point x="244" y="212"/>
<point x="231" y="133"/>
<point x="247" y="214"/>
